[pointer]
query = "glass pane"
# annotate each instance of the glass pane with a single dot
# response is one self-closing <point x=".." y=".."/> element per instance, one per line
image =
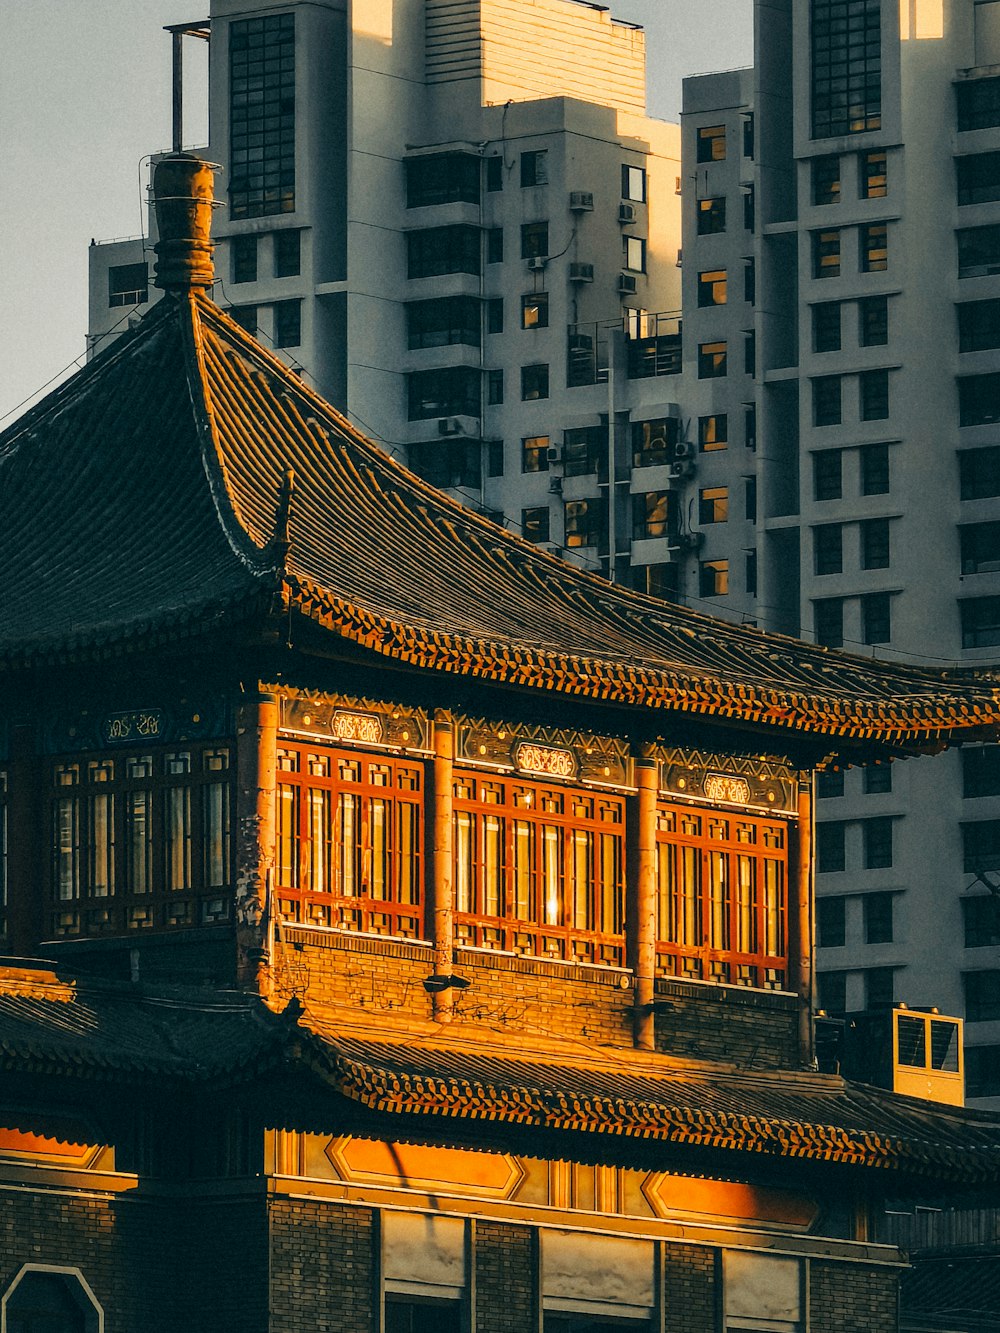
<point x="288" y="836"/>
<point x="139" y="842"/>
<point x="718" y="882"/>
<point x="101" y="867"/>
<point x="552" y="872"/>
<point x="67" y="848"/>
<point x="912" y="1041"/>
<point x="464" y="834"/>
<point x="944" y="1046"/>
<point x="524" y="871"/>
<point x="177" y="837"/>
<point x="349" y="844"/>
<point x="319" y="864"/>
<point x="378" y="840"/>
<point x="746" y="914"/>
<point x="493" y="844"/>
<point x="407" y="854"/>
<point x="582" y="844"/>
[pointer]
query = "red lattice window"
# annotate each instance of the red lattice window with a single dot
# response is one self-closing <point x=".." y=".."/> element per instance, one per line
<point x="539" y="869"/>
<point x="721" y="905"/>
<point x="350" y="841"/>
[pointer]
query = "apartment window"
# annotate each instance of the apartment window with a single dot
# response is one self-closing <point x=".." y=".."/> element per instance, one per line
<point x="535" y="453"/>
<point x="750" y="574"/>
<point x="830" y="784"/>
<point x="827" y="475"/>
<point x="875" y="469"/>
<point x="876" y="617"/>
<point x="534" y="240"/>
<point x="981" y="846"/>
<point x="750" y="426"/>
<point x="535" y="311"/>
<point x="879" y="983"/>
<point x="872" y="174"/>
<point x="979" y="473"/>
<point x="287" y="253"/>
<point x="980" y="548"/>
<point x="980" y="622"/>
<point x="826" y="327"/>
<point x="712" y="287"/>
<point x="750" y="499"/>
<point x="262" y="116"/>
<point x="586" y="522"/>
<point x="582" y="448"/>
<point x="846" y="41"/>
<point x="982" y="996"/>
<point x="494" y="174"/>
<point x="978" y="326"/>
<point x="128" y="284"/>
<point x="438" y="250"/>
<point x="713" y="432"/>
<point x="826" y="400"/>
<point x="711" y="143"/>
<point x="245" y="316"/>
<point x="750" y="281"/>
<point x="831" y="922"/>
<point x="874" y="387"/>
<point x="711" y="216"/>
<point x="653" y="441"/>
<point x="831" y="992"/>
<point x="978" y="104"/>
<point x="981" y="921"/>
<point x="656" y="580"/>
<point x="409" y="1315"/>
<point x="535" y="523"/>
<point x="750" y="352"/>
<point x="450" y="391"/>
<point x="828" y="548"/>
<point x="494" y="245"/>
<point x="874" y="238"/>
<point x="826" y="180"/>
<point x="494" y="458"/>
<point x="243" y="259"/>
<point x="711" y="360"/>
<point x="748" y="135"/>
<point x="634" y="254"/>
<point x="878" y="780"/>
<point x="494" y="388"/>
<point x="287" y="323"/>
<point x="442" y="178"/>
<point x="873" y="321"/>
<point x="828" y="621"/>
<point x="877" y="841"/>
<point x="981" y="771"/>
<point x="443" y="322"/>
<point x="978" y="251"/>
<point x="713" y="578"/>
<point x="875" y="544"/>
<point x="651" y="515"/>
<point x="534" y="168"/>
<point x="831" y="843"/>
<point x="713" y="504"/>
<point x="978" y="178"/>
<point x="982" y="1071"/>
<point x="634" y="183"/>
<point x="534" y="383"/>
<point x="978" y="399"/>
<point x="749" y="208"/>
<point x="494" y="315"/>
<point x="826" y="253"/>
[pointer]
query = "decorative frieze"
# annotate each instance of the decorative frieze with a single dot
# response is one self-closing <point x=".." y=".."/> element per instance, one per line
<point x="367" y="722"/>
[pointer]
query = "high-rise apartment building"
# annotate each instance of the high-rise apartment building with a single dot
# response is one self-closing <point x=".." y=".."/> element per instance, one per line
<point x="873" y="449"/>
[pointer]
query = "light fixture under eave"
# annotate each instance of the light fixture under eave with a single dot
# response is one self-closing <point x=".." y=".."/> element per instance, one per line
<point x="441" y="981"/>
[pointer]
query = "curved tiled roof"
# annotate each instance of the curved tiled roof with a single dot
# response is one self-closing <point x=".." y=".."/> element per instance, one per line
<point x="173" y="448"/>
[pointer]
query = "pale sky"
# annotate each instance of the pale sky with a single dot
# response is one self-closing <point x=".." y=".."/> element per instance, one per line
<point x="85" y="94"/>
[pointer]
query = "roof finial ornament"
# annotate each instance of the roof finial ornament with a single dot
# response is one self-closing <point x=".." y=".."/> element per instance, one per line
<point x="183" y="196"/>
<point x="281" y="541"/>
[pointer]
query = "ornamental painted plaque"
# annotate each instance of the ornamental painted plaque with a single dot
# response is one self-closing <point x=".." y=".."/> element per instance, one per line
<point x="725" y="787"/>
<point x="365" y="727"/>
<point x="138" y="725"/>
<point x="545" y="760"/>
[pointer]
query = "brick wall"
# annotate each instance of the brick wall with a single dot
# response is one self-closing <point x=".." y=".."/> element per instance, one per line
<point x="689" y="1288"/>
<point x="749" y="1028"/>
<point x="506" y="1296"/>
<point x="850" y="1299"/>
<point x="323" y="1267"/>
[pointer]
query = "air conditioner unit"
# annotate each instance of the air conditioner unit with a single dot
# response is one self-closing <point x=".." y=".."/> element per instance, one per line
<point x="681" y="470"/>
<point x="554" y="453"/>
<point x="449" y="426"/>
<point x="537" y="264"/>
<point x="555" y="485"/>
<point x="626" y="214"/>
<point x="690" y="541"/>
<point x="683" y="449"/>
<point x="581" y="273"/>
<point x="626" y="284"/>
<point x="581" y="201"/>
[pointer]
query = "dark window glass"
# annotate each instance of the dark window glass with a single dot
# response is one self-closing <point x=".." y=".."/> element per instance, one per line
<point x="438" y="250"/>
<point x="494" y="245"/>
<point x="981" y="846"/>
<point x="876" y="617"/>
<point x="978" y="104"/>
<point x="980" y="548"/>
<point x="713" y="432"/>
<point x="826" y="327"/>
<point x="750" y="426"/>
<point x="713" y="578"/>
<point x="711" y="216"/>
<point x="444" y="322"/>
<point x="878" y="918"/>
<point x="494" y="315"/>
<point x="846" y="42"/>
<point x="494" y="458"/>
<point x="287" y="253"/>
<point x="243" y="259"/>
<point x="874" y="247"/>
<point x="591" y="1323"/>
<point x="586" y="522"/>
<point x="875" y="469"/>
<point x="494" y="387"/>
<point x="872" y="174"/>
<point x="826" y="253"/>
<point x="750" y="352"/>
<point x="535" y="311"/>
<point x="750" y="281"/>
<point x="534" y="240"/>
<point x="405" y="1315"/>
<point x="748" y="134"/>
<point x="245" y="316"/>
<point x="287" y="323"/>
<point x="656" y="580"/>
<point x="830" y="784"/>
<point x="979" y="473"/>
<point x="980" y="622"/>
<point x="982" y="996"/>
<point x="750" y="574"/>
<point x="978" y="251"/>
<point x="653" y="441"/>
<point x="982" y="1071"/>
<point x="874" y="393"/>
<point x="831" y="844"/>
<point x="582" y="450"/>
<point x="878" y="779"/>
<point x="534" y="383"/>
<point x="713" y="504"/>
<point x="445" y="463"/>
<point x="978" y="399"/>
<point x="128" y="284"/>
<point x="442" y="178"/>
<point x="875" y="545"/>
<point x="826" y="180"/>
<point x="750" y="497"/>
<point x="451" y="391"/>
<point x="711" y="141"/>
<point x="981" y="921"/>
<point x="826" y="400"/>
<point x="651" y="514"/>
<point x="831" y="992"/>
<point x="711" y="360"/>
<point x="749" y="208"/>
<point x="828" y="621"/>
<point x="262" y="116"/>
<point x="535" y="523"/>
<point x="879" y="987"/>
<point x="978" y="178"/>
<point x="873" y="321"/>
<point x="981" y="771"/>
<point x="828" y="549"/>
<point x="535" y="453"/>
<point x="978" y="326"/>
<point x="534" y="168"/>
<point x="712" y="287"/>
<point x="831" y="922"/>
<point x="494" y="174"/>
<point x="827" y="475"/>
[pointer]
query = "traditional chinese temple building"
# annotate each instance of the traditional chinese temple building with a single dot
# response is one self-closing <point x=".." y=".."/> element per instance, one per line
<point x="407" y="930"/>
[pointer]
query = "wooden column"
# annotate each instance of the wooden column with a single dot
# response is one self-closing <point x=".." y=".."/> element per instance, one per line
<point x="640" y="907"/>
<point x="800" y="865"/>
<point x="442" y="889"/>
<point x="28" y="832"/>
<point x="256" y="839"/>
